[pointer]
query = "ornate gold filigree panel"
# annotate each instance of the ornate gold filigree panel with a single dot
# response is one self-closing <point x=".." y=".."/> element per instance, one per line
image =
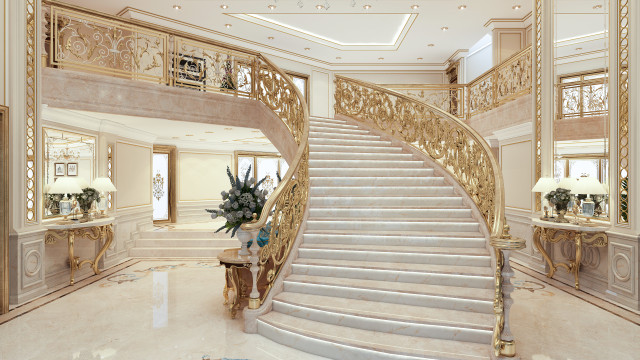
<point x="623" y="112"/>
<point x="538" y="100"/>
<point x="110" y="173"/>
<point x="450" y="98"/>
<point x="31" y="116"/>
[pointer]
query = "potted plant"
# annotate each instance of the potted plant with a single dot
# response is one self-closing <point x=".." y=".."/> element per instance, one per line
<point x="85" y="200"/>
<point x="240" y="203"/>
<point x="560" y="198"/>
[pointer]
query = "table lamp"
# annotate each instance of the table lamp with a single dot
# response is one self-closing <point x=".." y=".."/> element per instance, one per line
<point x="589" y="186"/>
<point x="103" y="185"/>
<point x="65" y="185"/>
<point x="543" y="186"/>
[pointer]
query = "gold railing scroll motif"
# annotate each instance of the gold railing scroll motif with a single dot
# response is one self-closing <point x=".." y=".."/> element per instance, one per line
<point x="463" y="153"/>
<point x="450" y="98"/>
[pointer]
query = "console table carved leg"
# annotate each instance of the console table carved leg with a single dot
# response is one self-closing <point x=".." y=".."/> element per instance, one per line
<point x="576" y="262"/>
<point x="539" y="235"/>
<point x="73" y="262"/>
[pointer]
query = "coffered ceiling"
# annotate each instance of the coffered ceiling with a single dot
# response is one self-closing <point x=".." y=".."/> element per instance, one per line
<point x="337" y="34"/>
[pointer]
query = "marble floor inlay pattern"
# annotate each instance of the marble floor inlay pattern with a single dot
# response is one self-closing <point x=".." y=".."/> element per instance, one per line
<point x="173" y="310"/>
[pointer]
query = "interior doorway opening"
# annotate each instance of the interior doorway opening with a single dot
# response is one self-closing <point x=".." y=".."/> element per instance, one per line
<point x="163" y="184"/>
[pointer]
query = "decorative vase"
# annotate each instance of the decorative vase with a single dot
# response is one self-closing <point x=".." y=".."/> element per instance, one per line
<point x="560" y="218"/>
<point x="244" y="237"/>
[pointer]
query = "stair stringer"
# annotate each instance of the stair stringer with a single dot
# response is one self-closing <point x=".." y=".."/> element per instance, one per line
<point x="251" y="315"/>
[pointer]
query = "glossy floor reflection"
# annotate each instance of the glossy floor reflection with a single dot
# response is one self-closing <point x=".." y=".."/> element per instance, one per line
<point x="173" y="310"/>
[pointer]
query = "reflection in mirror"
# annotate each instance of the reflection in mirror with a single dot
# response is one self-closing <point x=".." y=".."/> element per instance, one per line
<point x="65" y="154"/>
<point x="581" y="122"/>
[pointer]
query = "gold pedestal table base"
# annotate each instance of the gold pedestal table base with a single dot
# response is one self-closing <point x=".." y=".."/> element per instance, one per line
<point x="97" y="230"/>
<point x="552" y="232"/>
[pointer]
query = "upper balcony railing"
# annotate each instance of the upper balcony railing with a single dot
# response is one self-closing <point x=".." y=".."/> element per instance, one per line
<point x="583" y="95"/>
<point x="86" y="40"/>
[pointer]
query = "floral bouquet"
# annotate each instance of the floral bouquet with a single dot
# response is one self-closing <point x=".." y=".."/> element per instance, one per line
<point x="559" y="198"/>
<point x="86" y="198"/>
<point x="240" y="203"/>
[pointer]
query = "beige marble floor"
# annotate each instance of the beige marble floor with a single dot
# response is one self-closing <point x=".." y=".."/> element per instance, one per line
<point x="172" y="310"/>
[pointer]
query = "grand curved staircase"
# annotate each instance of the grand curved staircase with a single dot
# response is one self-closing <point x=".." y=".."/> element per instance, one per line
<point x="394" y="263"/>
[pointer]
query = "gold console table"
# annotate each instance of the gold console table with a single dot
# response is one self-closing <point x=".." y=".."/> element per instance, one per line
<point x="552" y="232"/>
<point x="100" y="229"/>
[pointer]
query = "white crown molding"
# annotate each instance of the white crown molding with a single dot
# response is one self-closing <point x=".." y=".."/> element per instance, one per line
<point x="524" y="129"/>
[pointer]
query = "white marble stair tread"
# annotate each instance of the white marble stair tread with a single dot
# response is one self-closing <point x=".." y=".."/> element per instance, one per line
<point x="333" y="130"/>
<point x="390" y="164"/>
<point x="383" y="213"/>
<point x="446" y="240"/>
<point x="481" y="271"/>
<point x="409" y="220"/>
<point x="326" y="120"/>
<point x="387" y="311"/>
<point x="358" y="156"/>
<point x="322" y="141"/>
<point x="389" y="225"/>
<point x="187" y="243"/>
<point x="381" y="171"/>
<point x="333" y="135"/>
<point x="448" y="250"/>
<point x="373" y="345"/>
<point x="355" y="148"/>
<point x="376" y="181"/>
<point x="396" y="256"/>
<point x="174" y="252"/>
<point x="482" y="296"/>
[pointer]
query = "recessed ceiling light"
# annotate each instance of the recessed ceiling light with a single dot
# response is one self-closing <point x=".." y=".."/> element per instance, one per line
<point x="367" y="7"/>
<point x="420" y="59"/>
<point x="307" y="49"/>
<point x="380" y="58"/>
<point x="227" y="26"/>
<point x="338" y="58"/>
<point x="516" y="7"/>
<point x="188" y="135"/>
<point x="175" y="137"/>
<point x="208" y="132"/>
<point x="202" y="139"/>
<point x="444" y="28"/>
<point x="270" y="38"/>
<point x="228" y="128"/>
<point x="415" y="7"/>
<point x="578" y="48"/>
<point x="319" y="7"/>
<point x="462" y="7"/>
<point x="177" y="7"/>
<point x="271" y="7"/>
<point x="223" y="6"/>
<point x="431" y="45"/>
<point x="597" y="7"/>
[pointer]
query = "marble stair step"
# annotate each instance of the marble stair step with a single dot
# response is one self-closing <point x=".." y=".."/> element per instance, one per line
<point x="228" y="243"/>
<point x="337" y="130"/>
<point x="385" y="201"/>
<point x="446" y="250"/>
<point x="183" y="234"/>
<point x="400" y="319"/>
<point x="355" y="148"/>
<point x="408" y="226"/>
<point x="358" y="156"/>
<point x="444" y="241"/>
<point x="176" y="252"/>
<point x="327" y="120"/>
<point x="376" y="181"/>
<point x="480" y="272"/>
<point x="320" y="141"/>
<point x="366" y="172"/>
<point x="341" y="136"/>
<point x="337" y="342"/>
<point x="394" y="292"/>
<point x="382" y="213"/>
<point x="381" y="190"/>
<point x="397" y="256"/>
<point x="391" y="164"/>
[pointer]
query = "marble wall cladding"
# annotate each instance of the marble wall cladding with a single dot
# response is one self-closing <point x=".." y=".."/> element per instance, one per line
<point x="507" y="115"/>
<point x="623" y="277"/>
<point x="27" y="254"/>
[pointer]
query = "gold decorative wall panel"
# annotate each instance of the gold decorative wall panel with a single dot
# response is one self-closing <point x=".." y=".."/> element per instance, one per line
<point x="624" y="177"/>
<point x="538" y="100"/>
<point x="31" y="112"/>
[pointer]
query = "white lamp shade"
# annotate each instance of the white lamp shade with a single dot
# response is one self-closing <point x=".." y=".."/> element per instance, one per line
<point x="605" y="188"/>
<point x="103" y="184"/>
<point x="65" y="185"/>
<point x="568" y="183"/>
<point x="82" y="182"/>
<point x="545" y="184"/>
<point x="588" y="185"/>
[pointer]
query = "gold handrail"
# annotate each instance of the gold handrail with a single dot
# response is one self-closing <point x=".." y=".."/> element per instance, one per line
<point x="462" y="152"/>
<point x="92" y="41"/>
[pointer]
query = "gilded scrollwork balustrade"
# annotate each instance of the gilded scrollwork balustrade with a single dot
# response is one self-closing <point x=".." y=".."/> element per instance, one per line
<point x="462" y="152"/>
<point x="450" y="98"/>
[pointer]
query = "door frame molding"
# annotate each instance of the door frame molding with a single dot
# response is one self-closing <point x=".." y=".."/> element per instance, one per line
<point x="5" y="178"/>
<point x="172" y="151"/>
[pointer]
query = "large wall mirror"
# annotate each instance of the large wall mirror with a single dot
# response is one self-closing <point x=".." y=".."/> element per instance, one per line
<point x="581" y="122"/>
<point x="68" y="154"/>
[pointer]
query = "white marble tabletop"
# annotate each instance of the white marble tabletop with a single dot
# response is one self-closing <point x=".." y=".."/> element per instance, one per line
<point x="601" y="226"/>
<point x="78" y="224"/>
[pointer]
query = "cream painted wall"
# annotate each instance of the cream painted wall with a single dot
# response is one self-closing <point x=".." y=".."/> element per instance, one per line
<point x="133" y="174"/>
<point x="420" y="77"/>
<point x="320" y="94"/>
<point x="515" y="160"/>
<point x="479" y="62"/>
<point x="3" y="52"/>
<point x="201" y="175"/>
<point x="508" y="44"/>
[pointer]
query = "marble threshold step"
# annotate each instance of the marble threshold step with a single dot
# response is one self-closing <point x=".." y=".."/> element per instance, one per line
<point x="358" y="156"/>
<point x="385" y="201"/>
<point x="399" y="225"/>
<point x="376" y="181"/>
<point x="445" y="250"/>
<point x="331" y="135"/>
<point x="444" y="240"/>
<point x="441" y="190"/>
<point x="201" y="243"/>
<point x="176" y="252"/>
<point x="337" y="130"/>
<point x="400" y="319"/>
<point x="439" y="292"/>
<point x="395" y="256"/>
<point x="366" y="172"/>
<point x="354" y="148"/>
<point x="339" y="163"/>
<point x="340" y="343"/>
<point x="382" y="213"/>
<point x="348" y="142"/>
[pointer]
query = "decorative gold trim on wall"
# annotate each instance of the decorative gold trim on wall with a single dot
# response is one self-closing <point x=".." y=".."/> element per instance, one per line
<point x="623" y="113"/>
<point x="4" y="206"/>
<point x="110" y="174"/>
<point x="538" y="113"/>
<point x="31" y="114"/>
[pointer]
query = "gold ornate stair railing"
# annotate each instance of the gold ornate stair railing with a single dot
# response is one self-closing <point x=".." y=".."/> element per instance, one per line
<point x="462" y="152"/>
<point x="448" y="97"/>
<point x="86" y="40"/>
